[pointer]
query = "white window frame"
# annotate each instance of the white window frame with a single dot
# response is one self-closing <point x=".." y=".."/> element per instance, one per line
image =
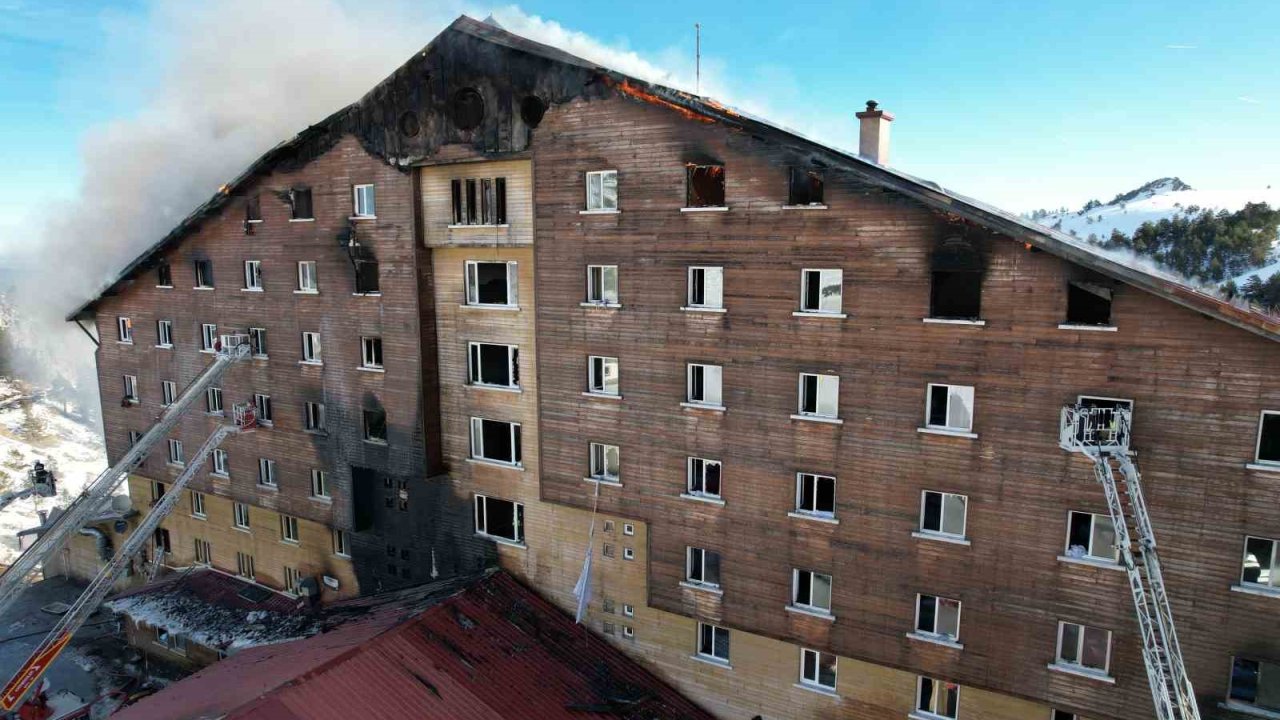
<point x="203" y="282"/>
<point x="203" y="551"/>
<point x="712" y="385"/>
<point x="475" y="374"/>
<point x="124" y="326"/>
<point x="810" y="606"/>
<point x="602" y="205"/>
<point x="597" y="377"/>
<point x="1089" y="552"/>
<point x="308" y="278"/>
<point x="311" y="350"/>
<point x="964" y="393"/>
<point x="517" y="519"/>
<point x="197" y="505"/>
<point x="1257" y="446"/>
<point x="835" y="309"/>
<point x="131" y="389"/>
<point x="220" y="460"/>
<point x="253" y="275"/>
<point x="598" y="290"/>
<point x="696" y="469"/>
<point x="712" y="294"/>
<point x="289" y="529"/>
<point x="816" y="680"/>
<point x="371" y="352"/>
<point x="208" y="337"/>
<point x="164" y="333"/>
<point x="263" y="410"/>
<point x="213" y="401"/>
<point x="245" y="565"/>
<point x="1274" y="571"/>
<point x="292" y="580"/>
<point x="340" y="543"/>
<point x="1077" y="664"/>
<point x="933" y="632"/>
<point x="827" y="386"/>
<point x="320" y="484"/>
<point x="1245" y="706"/>
<point x="473" y="288"/>
<point x="942" y="515"/>
<point x="364" y="201"/>
<point x="477" y="442"/>
<point x="240" y="515"/>
<point x="168" y="392"/>
<point x="176" y="457"/>
<point x="695" y="567"/>
<point x="803" y="478"/>
<point x="258" y="341"/>
<point x="313" y="416"/>
<point x="267" y="473"/>
<point x="714" y="654"/>
<point x="598" y="463"/>
<point x="936" y="706"/>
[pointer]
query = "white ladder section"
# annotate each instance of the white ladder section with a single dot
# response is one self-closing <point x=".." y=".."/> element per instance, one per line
<point x="97" y="493"/>
<point x="1102" y="434"/>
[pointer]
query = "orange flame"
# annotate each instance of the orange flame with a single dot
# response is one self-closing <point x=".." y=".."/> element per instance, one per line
<point x="632" y="91"/>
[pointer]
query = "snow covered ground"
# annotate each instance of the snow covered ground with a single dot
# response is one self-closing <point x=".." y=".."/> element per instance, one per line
<point x="38" y="430"/>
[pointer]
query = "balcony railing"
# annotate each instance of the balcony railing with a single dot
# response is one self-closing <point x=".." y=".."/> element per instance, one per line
<point x="1087" y="428"/>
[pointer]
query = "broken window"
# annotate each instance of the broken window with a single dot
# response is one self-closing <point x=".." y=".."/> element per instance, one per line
<point x="204" y="273"/>
<point x="371" y="353"/>
<point x="821" y="291"/>
<point x="1064" y="715"/>
<point x="702" y="567"/>
<point x="240" y="515"/>
<point x="493" y="365"/>
<point x="495" y="441"/>
<point x="939" y="698"/>
<point x="943" y="513"/>
<point x="602" y="284"/>
<point x="367" y="282"/>
<point x="704" y="477"/>
<point x="491" y="283"/>
<point x="363" y="201"/>
<point x="125" y="327"/>
<point x="253" y="209"/>
<point x="479" y="201"/>
<point x="267" y="472"/>
<point x="292" y="580"/>
<point x="197" y="504"/>
<point x="705" y="186"/>
<point x="252" y="275"/>
<point x="314" y="416"/>
<point x="938" y="617"/>
<point x="258" y="342"/>
<point x="134" y="437"/>
<point x="602" y="191"/>
<point x="300" y="204"/>
<point x="1268" y="450"/>
<point x="262" y="406"/>
<point x="308" y="282"/>
<point x="1261" y="565"/>
<point x="204" y="552"/>
<point x="704" y="386"/>
<point x="158" y="490"/>
<point x="713" y="642"/>
<point x="816" y="495"/>
<point x="175" y="453"/>
<point x="311" y="348"/>
<point x="164" y="333"/>
<point x="1084" y="647"/>
<point x="131" y="390"/>
<point x="501" y="519"/>
<point x="811" y="591"/>
<point x="602" y="375"/>
<point x="244" y="565"/>
<point x="604" y="463"/>
<point x="1088" y="304"/>
<point x="375" y="426"/>
<point x="220" y="466"/>
<point x="1255" y="683"/>
<point x="804" y="188"/>
<point x="164" y="275"/>
<point x="1091" y="536"/>
<point x="956" y="281"/>
<point x="208" y="337"/>
<point x="949" y="407"/>
<point x="706" y="288"/>
<point x="213" y="401"/>
<point x="818" y="669"/>
<point x="819" y="395"/>
<point x="289" y="528"/>
<point x="340" y="543"/>
<point x="172" y="641"/>
<point x="161" y="539"/>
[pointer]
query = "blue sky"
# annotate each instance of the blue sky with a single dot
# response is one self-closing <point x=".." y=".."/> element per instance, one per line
<point x="1024" y="104"/>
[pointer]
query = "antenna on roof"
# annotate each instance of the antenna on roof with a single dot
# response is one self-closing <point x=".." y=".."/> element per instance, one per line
<point x="697" y="59"/>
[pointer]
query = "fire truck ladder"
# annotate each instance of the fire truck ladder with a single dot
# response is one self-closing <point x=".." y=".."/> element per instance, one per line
<point x="231" y="349"/>
<point x="1102" y="434"/>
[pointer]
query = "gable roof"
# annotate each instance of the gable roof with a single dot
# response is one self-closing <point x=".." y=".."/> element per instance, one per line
<point x="350" y="119"/>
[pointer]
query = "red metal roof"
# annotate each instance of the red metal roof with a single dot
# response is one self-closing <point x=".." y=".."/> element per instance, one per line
<point x="495" y="650"/>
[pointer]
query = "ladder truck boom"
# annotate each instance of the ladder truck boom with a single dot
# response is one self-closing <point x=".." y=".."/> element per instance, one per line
<point x="232" y="348"/>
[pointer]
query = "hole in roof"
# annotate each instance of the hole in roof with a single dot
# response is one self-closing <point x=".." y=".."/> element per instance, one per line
<point x="254" y="593"/>
<point x="532" y="108"/>
<point x="409" y="125"/>
<point x="468" y="109"/>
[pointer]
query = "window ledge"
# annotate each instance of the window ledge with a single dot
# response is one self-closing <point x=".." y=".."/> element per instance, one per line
<point x="199" y="517"/>
<point x="602" y="211"/>
<point x="717" y="662"/>
<point x="926" y="535"/>
<point x="934" y="640"/>
<point x="701" y="406"/>
<point x="378" y="443"/>
<point x="1087" y="328"/>
<point x="362" y="217"/>
<point x="480" y="226"/>
<point x="1082" y="672"/>
<point x="810" y="206"/>
<point x="164" y="287"/>
<point x="306" y="292"/>
<point x="603" y="481"/>
<point x="258" y="357"/>
<point x="490" y="306"/>
<point x="1264" y="467"/>
<point x="375" y="293"/>
<point x="812" y="314"/>
<point x="703" y="498"/>
<point x="601" y="396"/>
<point x="823" y="615"/>
<point x="714" y="590"/>
<point x="502" y="541"/>
<point x="815" y="518"/>
<point x="124" y="342"/>
<point x="209" y="351"/>
<point x="257" y="289"/>
<point x="499" y="388"/>
<point x="925" y="715"/>
<point x="290" y="543"/>
<point x="818" y="689"/>
<point x="601" y="305"/>
<point x="1256" y="590"/>
<point x="302" y="219"/>
<point x="268" y="488"/>
<point x="701" y="309"/>
<point x="202" y="287"/>
<point x="363" y="368"/>
<point x="312" y="363"/>
<point x="954" y="321"/>
<point x="253" y="222"/>
<point x="244" y="530"/>
<point x="1244" y="709"/>
<point x="165" y="347"/>
<point x="322" y="500"/>
<point x="818" y="419"/>
<point x="1092" y="562"/>
<point x="949" y="433"/>
<point x="495" y="463"/>
<point x="175" y="465"/>
<point x="707" y="208"/>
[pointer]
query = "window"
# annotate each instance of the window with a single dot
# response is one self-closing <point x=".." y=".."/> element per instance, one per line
<point x="371" y="353"/>
<point x="495" y="441"/>
<point x="258" y="342"/>
<point x="821" y="291"/>
<point x="240" y="515"/>
<point x="364" y="205"/>
<point x="253" y="209"/>
<point x="1091" y="536"/>
<point x="204" y="273"/>
<point x="938" y="617"/>
<point x="702" y="567"/>
<point x="811" y="591"/>
<point x="174" y="642"/>
<point x="706" y="288"/>
<point x="704" y="477"/>
<point x="804" y="188"/>
<point x="134" y="437"/>
<point x="819" y="395"/>
<point x="491" y="283"/>
<point x="1268" y="449"/>
<point x="307" y="281"/>
<point x="375" y="426"/>
<point x="157" y="491"/>
<point x="204" y="552"/>
<point x="314" y="416"/>
<point x="292" y="580"/>
<point x="164" y="275"/>
<point x="367" y="277"/>
<point x="213" y="400"/>
<point x="628" y="610"/>
<point x="266" y="472"/>
<point x="943" y="513"/>
<point x="175" y="452"/>
<point x="340" y="543"/>
<point x="208" y="337"/>
<point x="603" y="375"/>
<point x="818" y="669"/>
<point x="311" y="348"/>
<point x="1063" y="715"/>
<point x="262" y="406"/>
<point x="949" y="407"/>
<point x="479" y="201"/>
<point x="131" y="390"/>
<point x="604" y="462"/>
<point x="319" y="483"/>
<point x="704" y="186"/>
<point x="164" y="333"/>
<point x="1088" y="304"/>
<point x="168" y="391"/>
<point x="197" y="504"/>
<point x="501" y="519"/>
<point x="704" y="385"/>
<point x="161" y="541"/>
<point x="955" y="289"/>
<point x="125" y="327"/>
<point x="244" y="565"/>
<point x="602" y="284"/>
<point x="938" y="698"/>
<point x="1261" y="563"/>
<point x="300" y="204"/>
<point x="1105" y="428"/>
<point x="1255" y="683"/>
<point x="602" y="190"/>
<point x="289" y="528"/>
<point x="713" y="642"/>
<point x="220" y="466"/>
<point x="493" y="365"/>
<point x="816" y="495"/>
<point x="1084" y="647"/>
<point x="252" y="274"/>
<point x="628" y="529"/>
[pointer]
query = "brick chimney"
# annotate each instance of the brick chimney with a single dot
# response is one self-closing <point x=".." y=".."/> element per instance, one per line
<point x="873" y="135"/>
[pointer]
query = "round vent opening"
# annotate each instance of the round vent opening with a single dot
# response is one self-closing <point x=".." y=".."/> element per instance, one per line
<point x="468" y="109"/>
<point x="409" y="125"/>
<point x="532" y="108"/>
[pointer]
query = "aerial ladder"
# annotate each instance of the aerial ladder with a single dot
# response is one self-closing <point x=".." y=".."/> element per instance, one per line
<point x="1102" y="434"/>
<point x="40" y="483"/>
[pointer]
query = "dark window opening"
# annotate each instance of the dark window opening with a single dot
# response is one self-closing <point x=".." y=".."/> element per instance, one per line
<point x="492" y="365"/>
<point x="410" y="126"/>
<point x="375" y="426"/>
<point x="364" y="487"/>
<point x="479" y="201"/>
<point x="498" y="445"/>
<point x="367" y="276"/>
<point x="204" y="273"/>
<point x="705" y="186"/>
<point x="253" y="209"/>
<point x="532" y="108"/>
<point x="938" y="395"/>
<point x="805" y="187"/>
<point x="500" y="518"/>
<point x="162" y="540"/>
<point x="1088" y="304"/>
<point x="300" y="201"/>
<point x="956" y="287"/>
<point x="468" y="109"/>
<point x="164" y="275"/>
<point x="1269" y="438"/>
<point x="491" y="283"/>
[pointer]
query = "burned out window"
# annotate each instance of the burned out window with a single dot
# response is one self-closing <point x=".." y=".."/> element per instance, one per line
<point x="493" y="365"/>
<point x="367" y="277"/>
<point x="499" y="519"/>
<point x="491" y="283"/>
<point x="1255" y="683"/>
<point x="956" y="281"/>
<point x="705" y="186"/>
<point x="1268" y="451"/>
<point x="162" y="541"/>
<point x="495" y="441"/>
<point x="375" y="426"/>
<point x="805" y="188"/>
<point x="300" y="203"/>
<point x="1088" y="304"/>
<point x="204" y="273"/>
<point x="253" y="209"/>
<point x="479" y="201"/>
<point x="164" y="275"/>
